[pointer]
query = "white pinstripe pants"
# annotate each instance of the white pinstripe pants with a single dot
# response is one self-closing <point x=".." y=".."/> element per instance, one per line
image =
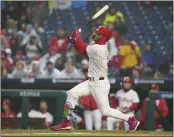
<point x="100" y="90"/>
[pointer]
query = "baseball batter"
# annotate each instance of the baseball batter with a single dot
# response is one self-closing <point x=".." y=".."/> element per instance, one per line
<point x="98" y="84"/>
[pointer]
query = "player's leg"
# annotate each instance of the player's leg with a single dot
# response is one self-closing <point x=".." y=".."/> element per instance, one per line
<point x="100" y="91"/>
<point x="75" y="118"/>
<point x="72" y="96"/>
<point x="88" y="120"/>
<point x="126" y="125"/>
<point x="97" y="118"/>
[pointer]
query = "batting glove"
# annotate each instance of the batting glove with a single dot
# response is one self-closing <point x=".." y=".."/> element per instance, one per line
<point x="73" y="36"/>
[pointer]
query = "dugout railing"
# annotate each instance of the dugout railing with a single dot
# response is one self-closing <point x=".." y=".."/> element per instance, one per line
<point x="60" y="96"/>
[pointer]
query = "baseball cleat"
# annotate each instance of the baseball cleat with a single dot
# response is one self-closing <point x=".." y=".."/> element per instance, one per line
<point x="133" y="124"/>
<point x="65" y="124"/>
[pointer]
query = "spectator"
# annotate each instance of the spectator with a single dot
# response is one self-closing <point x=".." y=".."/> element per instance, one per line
<point x="16" y="41"/>
<point x="6" y="62"/>
<point x="28" y="65"/>
<point x="4" y="73"/>
<point x="11" y="11"/>
<point x="112" y="50"/>
<point x="130" y="55"/>
<point x="7" y="112"/>
<point x="157" y="75"/>
<point x="59" y="64"/>
<point x="35" y="72"/>
<point x="21" y="35"/>
<point x="5" y="43"/>
<point x="136" y="72"/>
<point x="22" y="22"/>
<point x="19" y="71"/>
<point x="39" y="29"/>
<point x="148" y="56"/>
<point x="31" y="32"/>
<point x="11" y="23"/>
<point x="40" y="11"/>
<point x="162" y="106"/>
<point x="32" y="47"/>
<point x="18" y="56"/>
<point x="121" y="28"/>
<point x="45" y="114"/>
<point x="11" y="17"/>
<point x="70" y="71"/>
<point x="61" y="5"/>
<point x="13" y="40"/>
<point x="170" y="74"/>
<point x="115" y="65"/>
<point x="92" y="115"/>
<point x="60" y="41"/>
<point x="51" y="71"/>
<point x="118" y="34"/>
<point x="127" y="102"/>
<point x="51" y="7"/>
<point x="84" y="63"/>
<point x="52" y="55"/>
<point x="113" y="16"/>
<point x="8" y="51"/>
<point x="147" y="71"/>
<point x="28" y="14"/>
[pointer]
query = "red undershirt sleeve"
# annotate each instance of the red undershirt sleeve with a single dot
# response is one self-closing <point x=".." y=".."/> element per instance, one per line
<point x="80" y="46"/>
<point x="134" y="106"/>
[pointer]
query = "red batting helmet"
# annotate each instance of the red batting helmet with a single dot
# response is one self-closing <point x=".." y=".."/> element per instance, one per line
<point x="155" y="87"/>
<point x="127" y="80"/>
<point x="105" y="31"/>
<point x="7" y="102"/>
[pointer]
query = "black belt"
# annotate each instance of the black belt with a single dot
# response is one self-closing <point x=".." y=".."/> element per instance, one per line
<point x="92" y="78"/>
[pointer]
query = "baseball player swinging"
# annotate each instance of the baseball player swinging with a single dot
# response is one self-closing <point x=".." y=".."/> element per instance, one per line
<point x="98" y="84"/>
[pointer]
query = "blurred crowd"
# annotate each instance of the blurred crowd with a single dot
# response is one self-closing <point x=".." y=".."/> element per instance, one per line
<point x="23" y="53"/>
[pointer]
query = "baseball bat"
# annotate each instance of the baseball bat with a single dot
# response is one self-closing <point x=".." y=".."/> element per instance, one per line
<point x="96" y="15"/>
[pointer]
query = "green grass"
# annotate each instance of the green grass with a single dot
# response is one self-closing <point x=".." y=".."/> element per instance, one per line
<point x="47" y="132"/>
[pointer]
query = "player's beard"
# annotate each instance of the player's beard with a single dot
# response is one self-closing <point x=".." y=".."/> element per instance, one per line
<point x="126" y="89"/>
<point x="95" y="37"/>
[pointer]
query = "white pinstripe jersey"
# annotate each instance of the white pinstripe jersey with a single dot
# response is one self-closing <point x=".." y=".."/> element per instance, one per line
<point x="98" y="60"/>
<point x="127" y="98"/>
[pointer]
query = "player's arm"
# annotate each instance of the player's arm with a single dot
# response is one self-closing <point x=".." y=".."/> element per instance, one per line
<point x="122" y="54"/>
<point x="78" y="43"/>
<point x="164" y="107"/>
<point x="134" y="106"/>
<point x="80" y="46"/>
<point x="135" y="102"/>
<point x="139" y="54"/>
